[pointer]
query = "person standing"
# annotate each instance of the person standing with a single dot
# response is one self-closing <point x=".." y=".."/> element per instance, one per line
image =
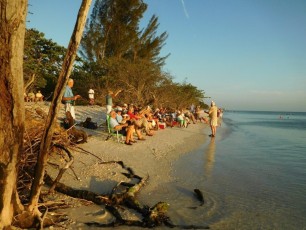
<point x="109" y="100"/>
<point x="69" y="98"/>
<point x="91" y="96"/>
<point x="213" y="111"/>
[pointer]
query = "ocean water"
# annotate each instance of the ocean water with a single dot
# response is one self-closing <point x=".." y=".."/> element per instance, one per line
<point x="252" y="174"/>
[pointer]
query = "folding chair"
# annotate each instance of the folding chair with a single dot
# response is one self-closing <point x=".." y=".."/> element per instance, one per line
<point x="112" y="132"/>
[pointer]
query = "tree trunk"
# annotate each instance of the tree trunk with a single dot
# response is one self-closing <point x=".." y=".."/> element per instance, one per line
<point x="55" y="105"/>
<point x="26" y="86"/>
<point x="12" y="32"/>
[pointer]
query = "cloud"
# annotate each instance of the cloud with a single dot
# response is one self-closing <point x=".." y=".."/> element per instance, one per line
<point x="185" y="10"/>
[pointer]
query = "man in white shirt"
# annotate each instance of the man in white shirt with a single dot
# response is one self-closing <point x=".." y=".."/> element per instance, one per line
<point x="91" y="96"/>
<point x="69" y="98"/>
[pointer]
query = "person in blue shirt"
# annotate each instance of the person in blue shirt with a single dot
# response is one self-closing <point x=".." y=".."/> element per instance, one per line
<point x="124" y="129"/>
<point x="69" y="98"/>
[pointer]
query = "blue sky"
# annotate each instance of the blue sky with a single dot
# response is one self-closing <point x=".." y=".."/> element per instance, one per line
<point x="244" y="54"/>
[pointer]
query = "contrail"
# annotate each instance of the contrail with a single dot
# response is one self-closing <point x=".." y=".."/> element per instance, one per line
<point x="185" y="10"/>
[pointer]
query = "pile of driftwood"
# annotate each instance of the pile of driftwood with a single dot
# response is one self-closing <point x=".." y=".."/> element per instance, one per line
<point x="34" y="128"/>
<point x="123" y="195"/>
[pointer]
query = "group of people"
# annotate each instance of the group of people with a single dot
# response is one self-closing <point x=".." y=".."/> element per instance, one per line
<point x="33" y="97"/>
<point x="129" y="119"/>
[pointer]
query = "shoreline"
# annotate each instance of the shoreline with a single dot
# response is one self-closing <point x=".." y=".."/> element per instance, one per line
<point x="153" y="157"/>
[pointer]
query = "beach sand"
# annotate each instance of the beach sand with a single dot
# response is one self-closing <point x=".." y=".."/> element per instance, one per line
<point x="153" y="157"/>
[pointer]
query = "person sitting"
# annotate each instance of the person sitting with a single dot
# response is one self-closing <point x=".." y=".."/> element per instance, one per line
<point x="181" y="119"/>
<point x="124" y="108"/>
<point x="190" y="116"/>
<point x="156" y="116"/>
<point x="166" y="117"/>
<point x="151" y="121"/>
<point x="31" y="97"/>
<point x="124" y="129"/>
<point x="139" y="120"/>
<point x="201" y="115"/>
<point x="25" y="96"/>
<point x="119" y="116"/>
<point x="39" y="96"/>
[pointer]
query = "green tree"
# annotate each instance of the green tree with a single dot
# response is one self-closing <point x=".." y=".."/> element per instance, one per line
<point x="149" y="44"/>
<point x="43" y="60"/>
<point x="113" y="29"/>
<point x="118" y="53"/>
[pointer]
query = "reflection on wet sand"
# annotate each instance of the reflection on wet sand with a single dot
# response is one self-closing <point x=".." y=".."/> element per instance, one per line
<point x="210" y="157"/>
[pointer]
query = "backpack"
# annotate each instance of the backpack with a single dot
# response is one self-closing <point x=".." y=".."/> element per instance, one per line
<point x="89" y="124"/>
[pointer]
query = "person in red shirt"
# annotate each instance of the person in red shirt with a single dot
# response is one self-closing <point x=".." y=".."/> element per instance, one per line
<point x="139" y="121"/>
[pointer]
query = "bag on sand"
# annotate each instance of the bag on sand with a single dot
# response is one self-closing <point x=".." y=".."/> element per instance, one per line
<point x="88" y="124"/>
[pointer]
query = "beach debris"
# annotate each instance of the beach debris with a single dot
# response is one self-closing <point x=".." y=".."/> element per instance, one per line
<point x="77" y="136"/>
<point x="89" y="124"/>
<point x="61" y="144"/>
<point x="199" y="195"/>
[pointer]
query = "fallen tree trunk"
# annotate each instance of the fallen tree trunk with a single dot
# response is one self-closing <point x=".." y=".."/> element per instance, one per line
<point x="125" y="198"/>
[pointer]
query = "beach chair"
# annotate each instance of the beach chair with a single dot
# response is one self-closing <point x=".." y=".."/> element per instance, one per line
<point x="112" y="132"/>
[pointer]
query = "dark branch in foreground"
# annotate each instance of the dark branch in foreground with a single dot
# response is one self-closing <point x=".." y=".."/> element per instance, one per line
<point x="126" y="198"/>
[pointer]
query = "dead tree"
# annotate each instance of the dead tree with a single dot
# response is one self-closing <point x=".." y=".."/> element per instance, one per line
<point x="12" y="32"/>
<point x="55" y="105"/>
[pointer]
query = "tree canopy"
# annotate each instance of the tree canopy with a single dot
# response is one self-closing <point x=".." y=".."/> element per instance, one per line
<point x="115" y="53"/>
<point x="42" y="62"/>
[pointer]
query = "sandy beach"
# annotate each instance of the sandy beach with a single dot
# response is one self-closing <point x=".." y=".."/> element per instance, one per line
<point x="153" y="157"/>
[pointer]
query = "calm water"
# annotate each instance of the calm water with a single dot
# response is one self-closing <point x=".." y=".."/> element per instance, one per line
<point x="253" y="174"/>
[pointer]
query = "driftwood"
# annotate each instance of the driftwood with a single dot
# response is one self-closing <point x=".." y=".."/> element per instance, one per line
<point x="121" y="198"/>
<point x="77" y="136"/>
<point x="199" y="195"/>
<point x="154" y="216"/>
<point x="34" y="127"/>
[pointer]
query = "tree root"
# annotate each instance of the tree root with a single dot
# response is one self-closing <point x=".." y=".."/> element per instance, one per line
<point x="124" y="198"/>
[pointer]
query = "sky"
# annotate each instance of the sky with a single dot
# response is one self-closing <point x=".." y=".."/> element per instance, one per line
<point x="244" y="54"/>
